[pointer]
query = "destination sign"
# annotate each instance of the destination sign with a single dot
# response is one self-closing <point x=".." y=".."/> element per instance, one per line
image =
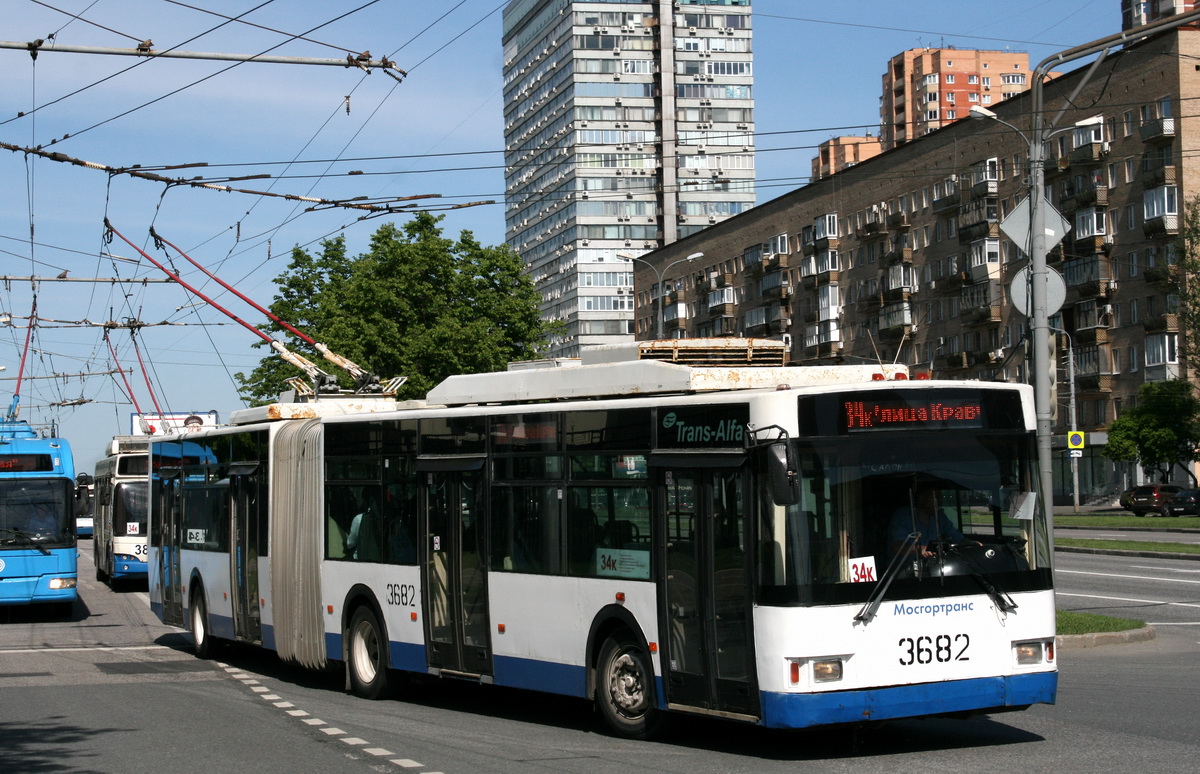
<point x="26" y="463"/>
<point x="896" y="415"/>
<point x="854" y="412"/>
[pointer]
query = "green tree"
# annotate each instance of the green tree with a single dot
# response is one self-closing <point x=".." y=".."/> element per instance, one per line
<point x="416" y="304"/>
<point x="1161" y="431"/>
<point x="1181" y="272"/>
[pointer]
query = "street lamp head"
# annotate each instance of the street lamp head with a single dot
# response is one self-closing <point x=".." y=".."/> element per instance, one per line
<point x="694" y="256"/>
<point x="626" y="256"/>
<point x="979" y="112"/>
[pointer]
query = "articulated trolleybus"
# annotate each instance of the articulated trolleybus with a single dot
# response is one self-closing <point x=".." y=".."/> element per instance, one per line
<point x="37" y="518"/>
<point x="737" y="541"/>
<point x="120" y="541"/>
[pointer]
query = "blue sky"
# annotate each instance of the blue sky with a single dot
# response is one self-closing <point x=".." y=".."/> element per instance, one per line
<point x="817" y="74"/>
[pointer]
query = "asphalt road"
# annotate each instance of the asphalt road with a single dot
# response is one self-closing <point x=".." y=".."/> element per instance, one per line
<point x="112" y="690"/>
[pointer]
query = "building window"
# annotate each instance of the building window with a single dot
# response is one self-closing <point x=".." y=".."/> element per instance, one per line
<point x="1161" y="349"/>
<point x="1089" y="222"/>
<point x="1160" y="201"/>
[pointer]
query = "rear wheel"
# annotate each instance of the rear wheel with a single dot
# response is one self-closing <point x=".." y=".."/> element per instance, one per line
<point x="366" y="655"/>
<point x="625" y="688"/>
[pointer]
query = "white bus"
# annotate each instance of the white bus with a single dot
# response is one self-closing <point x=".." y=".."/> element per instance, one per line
<point x="119" y="545"/>
<point x="736" y="542"/>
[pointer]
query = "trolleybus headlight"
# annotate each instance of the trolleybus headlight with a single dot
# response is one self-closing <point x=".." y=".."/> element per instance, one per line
<point x="62" y="583"/>
<point x="1030" y="652"/>
<point x="827" y="671"/>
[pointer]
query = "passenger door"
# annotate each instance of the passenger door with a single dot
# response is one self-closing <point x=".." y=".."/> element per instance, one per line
<point x="706" y="602"/>
<point x="249" y="542"/>
<point x="456" y="604"/>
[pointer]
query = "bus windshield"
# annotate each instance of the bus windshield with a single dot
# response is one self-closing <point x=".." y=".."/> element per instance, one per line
<point x="860" y="500"/>
<point x="41" y="510"/>
<point x="129" y="509"/>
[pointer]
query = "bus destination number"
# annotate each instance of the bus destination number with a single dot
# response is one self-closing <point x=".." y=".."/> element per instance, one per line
<point x="926" y="650"/>
<point x="402" y="594"/>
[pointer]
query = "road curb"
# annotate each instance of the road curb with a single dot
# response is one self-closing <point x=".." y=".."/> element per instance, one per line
<point x="1100" y="639"/>
<point x="1123" y="552"/>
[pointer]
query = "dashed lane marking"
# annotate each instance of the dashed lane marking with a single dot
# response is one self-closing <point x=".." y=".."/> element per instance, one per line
<point x="265" y="694"/>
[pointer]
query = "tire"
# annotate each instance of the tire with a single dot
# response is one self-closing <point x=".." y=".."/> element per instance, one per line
<point x="625" y="688"/>
<point x="202" y="639"/>
<point x="366" y="655"/>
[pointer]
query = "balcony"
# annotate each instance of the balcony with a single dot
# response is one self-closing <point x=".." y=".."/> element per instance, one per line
<point x="1090" y="245"/>
<point x="898" y="255"/>
<point x="1054" y="165"/>
<point x="1158" y="129"/>
<point x="829" y="277"/>
<point x="1092" y="196"/>
<point x="823" y="349"/>
<point x="775" y="261"/>
<point x="777" y="293"/>
<point x="1093" y="288"/>
<point x="953" y="362"/>
<point x="1091" y="336"/>
<point x="1161" y="323"/>
<point x="1162" y="275"/>
<point x="1164" y="225"/>
<point x="1094" y="384"/>
<point x="1089" y="153"/>
<point x="895" y="332"/>
<point x="985" y="315"/>
<point x="898" y="220"/>
<point x="946" y="202"/>
<point x="983" y="229"/>
<point x="872" y="229"/>
<point x="1159" y="175"/>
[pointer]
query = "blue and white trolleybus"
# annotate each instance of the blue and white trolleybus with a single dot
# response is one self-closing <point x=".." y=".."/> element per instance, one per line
<point x="656" y="535"/>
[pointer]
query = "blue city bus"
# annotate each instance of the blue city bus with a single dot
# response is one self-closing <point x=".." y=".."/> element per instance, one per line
<point x="37" y="518"/>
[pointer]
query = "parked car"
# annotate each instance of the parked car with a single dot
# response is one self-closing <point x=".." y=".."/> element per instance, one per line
<point x="1151" y="498"/>
<point x="1186" y="501"/>
<point x="1126" y="499"/>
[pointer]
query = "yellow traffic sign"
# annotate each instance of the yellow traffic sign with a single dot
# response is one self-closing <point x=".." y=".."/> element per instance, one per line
<point x="1075" y="440"/>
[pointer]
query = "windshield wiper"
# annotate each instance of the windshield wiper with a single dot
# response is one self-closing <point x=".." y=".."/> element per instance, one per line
<point x="27" y="538"/>
<point x="998" y="595"/>
<point x="899" y="560"/>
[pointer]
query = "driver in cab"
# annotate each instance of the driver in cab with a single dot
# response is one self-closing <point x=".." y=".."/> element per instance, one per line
<point x="926" y="517"/>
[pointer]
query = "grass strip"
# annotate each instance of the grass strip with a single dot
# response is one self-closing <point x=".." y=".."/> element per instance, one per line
<point x="1129" y="545"/>
<point x="1068" y="622"/>
<point x="1118" y="521"/>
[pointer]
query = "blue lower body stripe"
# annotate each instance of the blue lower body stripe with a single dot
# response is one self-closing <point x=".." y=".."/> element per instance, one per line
<point x="801" y="710"/>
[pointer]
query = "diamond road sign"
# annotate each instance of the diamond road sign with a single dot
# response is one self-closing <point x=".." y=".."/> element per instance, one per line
<point x="1016" y="225"/>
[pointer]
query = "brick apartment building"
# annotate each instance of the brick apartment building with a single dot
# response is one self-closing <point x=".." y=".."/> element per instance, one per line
<point x="901" y="257"/>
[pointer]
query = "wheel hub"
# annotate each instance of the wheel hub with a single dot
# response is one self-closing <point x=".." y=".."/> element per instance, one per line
<point x="625" y="684"/>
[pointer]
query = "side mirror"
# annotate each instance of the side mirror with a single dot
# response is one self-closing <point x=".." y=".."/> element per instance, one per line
<point x="784" y="478"/>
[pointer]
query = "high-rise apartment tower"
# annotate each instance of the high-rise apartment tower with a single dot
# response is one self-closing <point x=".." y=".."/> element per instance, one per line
<point x="627" y="125"/>
<point x="925" y="89"/>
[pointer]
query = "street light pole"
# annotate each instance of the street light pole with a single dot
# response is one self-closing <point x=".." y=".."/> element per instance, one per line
<point x="659" y="273"/>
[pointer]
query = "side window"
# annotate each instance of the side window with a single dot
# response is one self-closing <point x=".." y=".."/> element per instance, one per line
<point x="525" y="529"/>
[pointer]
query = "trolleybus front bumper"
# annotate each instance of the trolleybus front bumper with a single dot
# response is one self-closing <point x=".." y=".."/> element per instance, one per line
<point x="979" y="695"/>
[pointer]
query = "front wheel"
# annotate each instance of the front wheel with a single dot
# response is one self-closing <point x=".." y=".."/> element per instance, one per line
<point x="625" y="688"/>
<point x="366" y="656"/>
